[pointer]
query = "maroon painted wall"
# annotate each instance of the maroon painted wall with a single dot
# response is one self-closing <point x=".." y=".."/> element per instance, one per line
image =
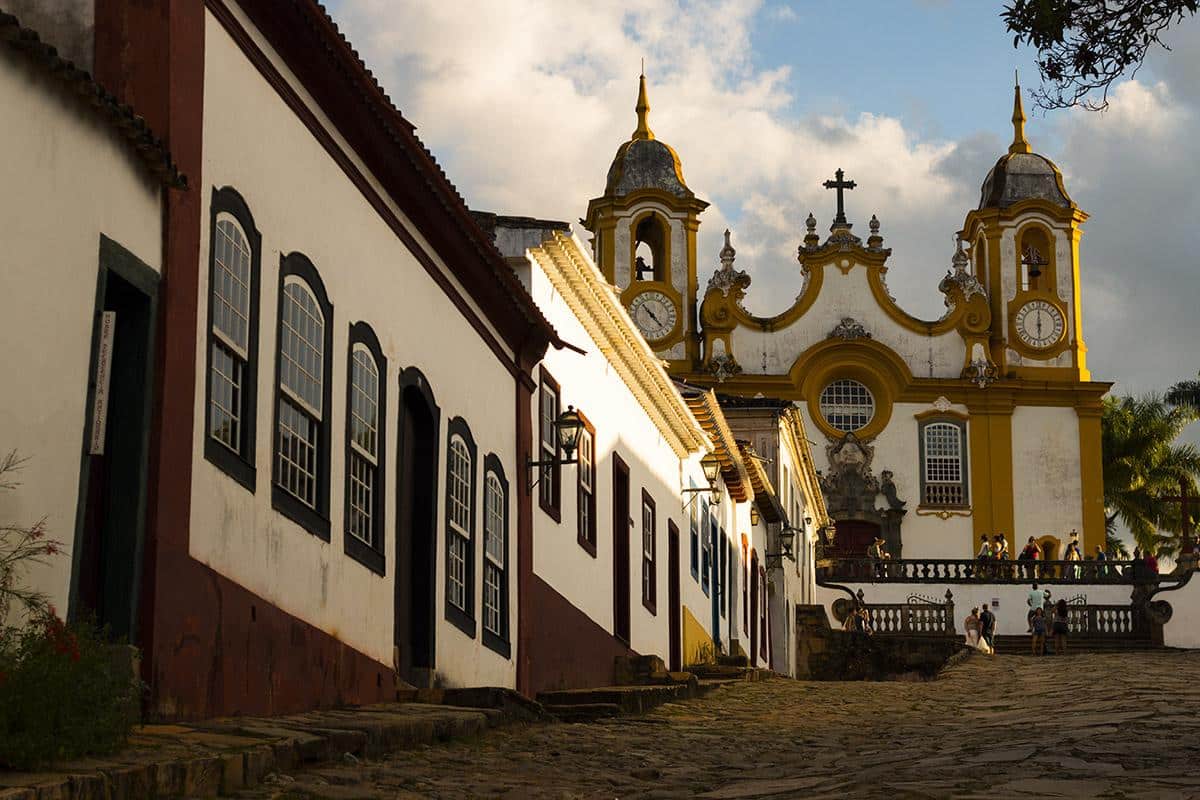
<point x="567" y="649"/>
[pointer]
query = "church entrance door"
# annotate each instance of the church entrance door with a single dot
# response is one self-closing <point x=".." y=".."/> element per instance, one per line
<point x="853" y="538"/>
<point x="414" y="627"/>
<point x="621" y="526"/>
<point x="110" y="531"/>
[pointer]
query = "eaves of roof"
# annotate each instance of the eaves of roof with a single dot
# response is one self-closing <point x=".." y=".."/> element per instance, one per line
<point x="576" y="279"/>
<point x="707" y="411"/>
<point x="149" y="148"/>
<point x="333" y="73"/>
<point x="765" y="496"/>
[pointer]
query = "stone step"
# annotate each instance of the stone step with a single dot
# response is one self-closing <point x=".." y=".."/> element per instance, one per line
<point x="584" y="712"/>
<point x="629" y="699"/>
<point x="723" y="671"/>
<point x="1015" y="644"/>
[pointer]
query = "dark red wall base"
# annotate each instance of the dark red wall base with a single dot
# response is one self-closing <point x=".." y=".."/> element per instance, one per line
<point x="567" y="649"/>
<point x="227" y="652"/>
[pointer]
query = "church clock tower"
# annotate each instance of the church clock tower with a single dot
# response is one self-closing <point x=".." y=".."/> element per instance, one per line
<point x="1024" y="240"/>
<point x="644" y="240"/>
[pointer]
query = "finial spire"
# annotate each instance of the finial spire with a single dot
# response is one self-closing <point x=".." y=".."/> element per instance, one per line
<point x="1020" y="144"/>
<point x="643" y="108"/>
<point x="727" y="253"/>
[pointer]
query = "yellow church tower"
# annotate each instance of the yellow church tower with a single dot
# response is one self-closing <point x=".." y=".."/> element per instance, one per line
<point x="644" y="239"/>
<point x="1024" y="240"/>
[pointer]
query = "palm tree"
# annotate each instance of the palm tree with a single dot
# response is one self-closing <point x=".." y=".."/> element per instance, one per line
<point x="1185" y="393"/>
<point x="1143" y="463"/>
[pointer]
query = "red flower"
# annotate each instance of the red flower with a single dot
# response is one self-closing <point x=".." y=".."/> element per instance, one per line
<point x="51" y="549"/>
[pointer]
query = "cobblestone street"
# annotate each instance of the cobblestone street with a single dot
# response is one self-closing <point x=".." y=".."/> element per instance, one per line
<point x="1111" y="725"/>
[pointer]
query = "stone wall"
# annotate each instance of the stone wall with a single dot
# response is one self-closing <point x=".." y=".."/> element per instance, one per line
<point x="825" y="654"/>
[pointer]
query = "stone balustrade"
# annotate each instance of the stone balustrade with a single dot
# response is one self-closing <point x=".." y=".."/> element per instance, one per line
<point x="968" y="570"/>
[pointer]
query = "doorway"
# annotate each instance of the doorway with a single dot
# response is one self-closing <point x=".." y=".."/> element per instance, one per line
<point x="853" y="538"/>
<point x="753" y="609"/>
<point x="674" y="622"/>
<point x="110" y="526"/>
<point x="621" y="525"/>
<point x="414" y="629"/>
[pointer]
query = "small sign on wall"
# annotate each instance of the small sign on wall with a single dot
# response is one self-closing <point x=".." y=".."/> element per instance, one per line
<point x="108" y="324"/>
<point x="995" y="602"/>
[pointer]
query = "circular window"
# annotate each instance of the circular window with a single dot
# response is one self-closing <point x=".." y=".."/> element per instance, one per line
<point x="847" y="405"/>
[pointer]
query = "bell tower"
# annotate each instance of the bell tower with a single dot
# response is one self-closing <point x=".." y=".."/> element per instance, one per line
<point x="1024" y="249"/>
<point x="644" y="239"/>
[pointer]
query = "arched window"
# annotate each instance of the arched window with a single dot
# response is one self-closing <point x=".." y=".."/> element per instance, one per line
<point x="1035" y="258"/>
<point x="366" y="404"/>
<point x="652" y="250"/>
<point x="943" y="463"/>
<point x="301" y="478"/>
<point x="233" y="287"/>
<point x="495" y="557"/>
<point x="847" y="405"/>
<point x="460" y="527"/>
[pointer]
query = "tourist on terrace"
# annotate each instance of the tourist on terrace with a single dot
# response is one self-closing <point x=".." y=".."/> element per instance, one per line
<point x="1037" y="626"/>
<point x="878" y="554"/>
<point x="971" y="626"/>
<point x="1060" y="627"/>
<point x="1101" y="570"/>
<point x="1030" y="555"/>
<point x="1074" y="554"/>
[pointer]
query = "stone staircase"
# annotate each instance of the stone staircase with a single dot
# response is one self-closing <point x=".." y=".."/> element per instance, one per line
<point x="644" y="683"/>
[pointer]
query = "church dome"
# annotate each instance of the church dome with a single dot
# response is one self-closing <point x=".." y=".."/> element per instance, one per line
<point x="1022" y="174"/>
<point x="644" y="162"/>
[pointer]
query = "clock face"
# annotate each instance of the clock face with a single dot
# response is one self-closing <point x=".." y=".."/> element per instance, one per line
<point x="654" y="314"/>
<point x="1039" y="323"/>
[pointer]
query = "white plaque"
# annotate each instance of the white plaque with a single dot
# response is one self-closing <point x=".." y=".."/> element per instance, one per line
<point x="108" y="323"/>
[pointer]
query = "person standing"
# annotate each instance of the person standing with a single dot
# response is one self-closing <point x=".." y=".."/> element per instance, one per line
<point x="971" y="626"/>
<point x="987" y="627"/>
<point x="1060" y="627"/>
<point x="1030" y="555"/>
<point x="1074" y="554"/>
<point x="1037" y="626"/>
<point x="1034" y="601"/>
<point x="1101" y="556"/>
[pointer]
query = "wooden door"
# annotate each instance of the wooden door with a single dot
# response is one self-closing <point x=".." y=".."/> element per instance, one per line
<point x="621" y="527"/>
<point x="753" y="609"/>
<point x="674" y="612"/>
<point x="853" y="538"/>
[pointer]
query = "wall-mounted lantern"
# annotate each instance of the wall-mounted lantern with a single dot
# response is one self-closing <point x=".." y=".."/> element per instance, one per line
<point x="711" y="466"/>
<point x="567" y="426"/>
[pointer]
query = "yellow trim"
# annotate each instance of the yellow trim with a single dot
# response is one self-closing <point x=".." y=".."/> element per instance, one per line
<point x="934" y="413"/>
<point x="1091" y="478"/>
<point x="696" y="639"/>
<point x="990" y="437"/>
<point x="942" y="513"/>
<point x="875" y="365"/>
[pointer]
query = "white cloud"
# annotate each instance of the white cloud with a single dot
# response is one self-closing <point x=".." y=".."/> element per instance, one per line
<point x="526" y="104"/>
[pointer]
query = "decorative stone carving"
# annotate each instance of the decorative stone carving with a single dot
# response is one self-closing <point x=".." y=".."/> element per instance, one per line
<point x="849" y="328"/>
<point x="942" y="404"/>
<point x="959" y="285"/>
<point x="723" y="367"/>
<point x="851" y="490"/>
<point x="727" y="277"/>
<point x="981" y="372"/>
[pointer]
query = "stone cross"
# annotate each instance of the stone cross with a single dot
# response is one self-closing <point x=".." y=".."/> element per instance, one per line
<point x="840" y="185"/>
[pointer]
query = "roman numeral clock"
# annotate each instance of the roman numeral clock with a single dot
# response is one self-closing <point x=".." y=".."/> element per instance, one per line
<point x="1039" y="324"/>
<point x="654" y="314"/>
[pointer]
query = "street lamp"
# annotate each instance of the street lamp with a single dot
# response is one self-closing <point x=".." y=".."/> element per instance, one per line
<point x="568" y="426"/>
<point x="711" y="466"/>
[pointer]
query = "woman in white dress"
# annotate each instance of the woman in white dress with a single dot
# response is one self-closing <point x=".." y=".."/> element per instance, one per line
<point x="971" y="626"/>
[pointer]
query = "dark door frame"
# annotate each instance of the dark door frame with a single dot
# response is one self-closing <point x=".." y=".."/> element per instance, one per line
<point x="754" y="623"/>
<point x="414" y="385"/>
<point x="674" y="611"/>
<point x="115" y="260"/>
<point x="622" y="585"/>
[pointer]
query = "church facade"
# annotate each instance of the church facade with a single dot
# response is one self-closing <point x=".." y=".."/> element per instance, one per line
<point x="934" y="432"/>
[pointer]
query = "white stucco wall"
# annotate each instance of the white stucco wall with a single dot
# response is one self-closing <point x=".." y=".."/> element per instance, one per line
<point x="848" y="294"/>
<point x="1047" y="493"/>
<point x="302" y="201"/>
<point x="69" y="179"/>
<point x="1182" y="630"/>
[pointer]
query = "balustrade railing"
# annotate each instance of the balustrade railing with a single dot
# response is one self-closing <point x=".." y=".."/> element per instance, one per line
<point x="901" y="618"/>
<point x="947" y="570"/>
